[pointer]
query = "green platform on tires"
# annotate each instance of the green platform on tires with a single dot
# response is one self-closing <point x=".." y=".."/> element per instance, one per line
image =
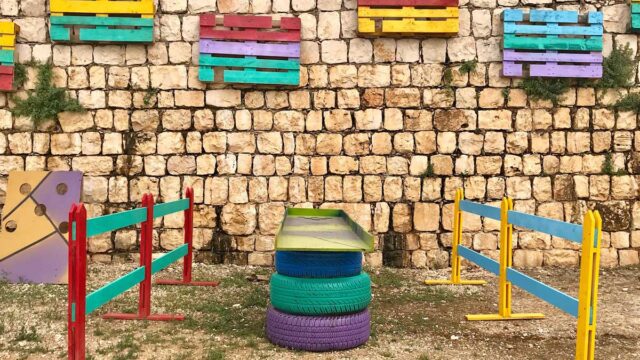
<point x="321" y="230"/>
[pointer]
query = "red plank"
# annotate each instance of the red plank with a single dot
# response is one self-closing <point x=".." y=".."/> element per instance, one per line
<point x="6" y="70"/>
<point x="256" y="22"/>
<point x="208" y="20"/>
<point x="210" y="33"/>
<point x="6" y="82"/>
<point x="290" y="23"/>
<point x="407" y="2"/>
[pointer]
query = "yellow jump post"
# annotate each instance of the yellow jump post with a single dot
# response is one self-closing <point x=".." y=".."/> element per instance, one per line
<point x="455" y="257"/>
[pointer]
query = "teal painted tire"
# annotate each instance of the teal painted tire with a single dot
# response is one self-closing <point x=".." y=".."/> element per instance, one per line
<point x="315" y="296"/>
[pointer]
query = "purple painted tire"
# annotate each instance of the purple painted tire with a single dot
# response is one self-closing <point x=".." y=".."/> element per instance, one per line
<point x="318" y="333"/>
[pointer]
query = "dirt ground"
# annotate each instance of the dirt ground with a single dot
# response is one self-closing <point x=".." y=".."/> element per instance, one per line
<point x="410" y="320"/>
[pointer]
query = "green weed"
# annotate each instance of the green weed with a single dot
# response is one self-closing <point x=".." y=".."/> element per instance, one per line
<point x="468" y="66"/>
<point x="629" y="102"/>
<point x="550" y="89"/>
<point x="30" y="335"/>
<point x="617" y="69"/>
<point x="215" y="354"/>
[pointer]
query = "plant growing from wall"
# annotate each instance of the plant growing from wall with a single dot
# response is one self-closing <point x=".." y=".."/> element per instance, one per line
<point x="617" y="69"/>
<point x="609" y="168"/>
<point x="629" y="102"/>
<point x="551" y="89"/>
<point x="150" y="96"/>
<point x="468" y="66"/>
<point x="46" y="101"/>
<point x="19" y="75"/>
<point x="428" y="172"/>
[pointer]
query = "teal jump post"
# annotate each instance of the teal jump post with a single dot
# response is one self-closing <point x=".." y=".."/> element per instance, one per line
<point x="80" y="304"/>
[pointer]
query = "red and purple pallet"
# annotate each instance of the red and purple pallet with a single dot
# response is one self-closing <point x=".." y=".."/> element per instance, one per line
<point x="549" y="43"/>
<point x="249" y="49"/>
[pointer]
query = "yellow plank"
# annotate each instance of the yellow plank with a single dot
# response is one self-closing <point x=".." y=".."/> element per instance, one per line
<point x="450" y="26"/>
<point x="366" y="26"/>
<point x="7" y="40"/>
<point x="408" y="12"/>
<point x="7" y="27"/>
<point x="102" y="7"/>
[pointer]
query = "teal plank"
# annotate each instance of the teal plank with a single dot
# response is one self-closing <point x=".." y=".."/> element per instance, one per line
<point x="205" y="74"/>
<point x="101" y="21"/>
<point x="635" y="8"/>
<point x="160" y="210"/>
<point x="249" y="62"/>
<point x="167" y="259"/>
<point x="6" y="56"/>
<point x="512" y="41"/>
<point x="512" y="15"/>
<point x="543" y="291"/>
<point x="59" y="33"/>
<point x="635" y="22"/>
<point x="113" y="289"/>
<point x="262" y="77"/>
<point x="490" y="212"/>
<point x="103" y="224"/>
<point x="552" y="29"/>
<point x="479" y="259"/>
<point x="142" y="35"/>
<point x="553" y="227"/>
<point x="553" y="16"/>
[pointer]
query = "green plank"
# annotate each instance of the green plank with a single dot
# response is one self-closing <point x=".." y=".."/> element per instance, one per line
<point x="262" y="77"/>
<point x="101" y="21"/>
<point x="635" y="22"/>
<point x="512" y="41"/>
<point x="142" y="35"/>
<point x="635" y="8"/>
<point x="160" y="210"/>
<point x="103" y="224"/>
<point x="249" y="62"/>
<point x="6" y="56"/>
<point x="205" y="74"/>
<point x="167" y="259"/>
<point x="59" y="33"/>
<point x="113" y="289"/>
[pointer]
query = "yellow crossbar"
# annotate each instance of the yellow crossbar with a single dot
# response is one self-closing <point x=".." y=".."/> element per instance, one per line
<point x="143" y="7"/>
<point x="408" y="12"/>
<point x="7" y="41"/>
<point x="7" y="27"/>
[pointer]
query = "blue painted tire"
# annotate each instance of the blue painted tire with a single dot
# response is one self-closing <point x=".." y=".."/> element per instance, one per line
<point x="318" y="264"/>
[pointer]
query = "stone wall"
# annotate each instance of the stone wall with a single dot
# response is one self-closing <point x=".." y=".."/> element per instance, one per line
<point x="358" y="134"/>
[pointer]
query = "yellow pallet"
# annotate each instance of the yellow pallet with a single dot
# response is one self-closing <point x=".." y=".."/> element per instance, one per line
<point x="408" y="12"/>
<point x="142" y="7"/>
<point x="408" y="21"/>
<point x="8" y="31"/>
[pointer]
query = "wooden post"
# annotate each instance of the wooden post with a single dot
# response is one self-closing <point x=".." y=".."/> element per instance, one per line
<point x="77" y="273"/>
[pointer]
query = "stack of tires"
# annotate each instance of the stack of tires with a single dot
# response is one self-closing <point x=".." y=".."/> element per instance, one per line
<point x="319" y="301"/>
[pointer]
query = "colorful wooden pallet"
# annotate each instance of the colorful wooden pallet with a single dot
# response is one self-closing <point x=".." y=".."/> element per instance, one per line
<point x="551" y="43"/>
<point x="408" y="17"/>
<point x="249" y="49"/>
<point x="102" y="21"/>
<point x="8" y="32"/>
<point x="635" y="15"/>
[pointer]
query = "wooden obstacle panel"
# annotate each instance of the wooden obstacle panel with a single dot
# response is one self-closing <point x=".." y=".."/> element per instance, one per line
<point x="35" y="224"/>
<point x="102" y="21"/>
<point x="549" y="43"/>
<point x="635" y="15"/>
<point x="8" y="32"/>
<point x="249" y="49"/>
<point x="408" y="17"/>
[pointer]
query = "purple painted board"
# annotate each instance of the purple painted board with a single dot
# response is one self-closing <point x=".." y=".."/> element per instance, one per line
<point x="249" y="48"/>
<point x="510" y="68"/>
<point x="57" y="192"/>
<point x="569" y="71"/>
<point x="44" y="262"/>
<point x="550" y="56"/>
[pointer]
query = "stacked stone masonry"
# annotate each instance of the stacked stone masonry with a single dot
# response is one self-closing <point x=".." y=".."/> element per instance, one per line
<point x="358" y="134"/>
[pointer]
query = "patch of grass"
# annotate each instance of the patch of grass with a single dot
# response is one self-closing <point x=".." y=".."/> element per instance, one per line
<point x="468" y="66"/>
<point x="257" y="297"/>
<point x="387" y="354"/>
<point x="150" y="95"/>
<point x="126" y="348"/>
<point x="1" y="328"/>
<point x="447" y="77"/>
<point x="609" y="168"/>
<point x="215" y="354"/>
<point x="424" y="357"/>
<point x="387" y="278"/>
<point x="45" y="102"/>
<point x="617" y="69"/>
<point x="30" y="335"/>
<point x="19" y="75"/>
<point x="550" y="89"/>
<point x="428" y="172"/>
<point x="629" y="102"/>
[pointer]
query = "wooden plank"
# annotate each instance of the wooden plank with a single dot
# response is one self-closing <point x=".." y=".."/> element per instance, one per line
<point x="595" y="17"/>
<point x="565" y="230"/>
<point x="552" y="29"/>
<point x="102" y="7"/>
<point x="7" y="27"/>
<point x="205" y="74"/>
<point x="249" y="62"/>
<point x="6" y="82"/>
<point x="566" y="71"/>
<point x="551" y="56"/>
<point x="512" y="41"/>
<point x="106" y="223"/>
<point x="246" y="21"/>
<point x="8" y="40"/>
<point x="59" y="33"/>
<point x="251" y="49"/>
<point x="209" y="33"/>
<point x="6" y="70"/>
<point x="479" y="259"/>
<point x="512" y="15"/>
<point x="635" y="8"/>
<point x="434" y="3"/>
<point x="635" y="22"/>
<point x="167" y="259"/>
<point x="262" y="77"/>
<point x="543" y="291"/>
<point x="142" y="35"/>
<point x="553" y="16"/>
<point x="366" y="26"/>
<point x="106" y="293"/>
<point x="101" y="21"/>
<point x="7" y="56"/>
<point x="487" y="211"/>
<point x="420" y="26"/>
<point x="160" y="210"/>
<point x="408" y="12"/>
<point x="290" y="23"/>
<point x="208" y="19"/>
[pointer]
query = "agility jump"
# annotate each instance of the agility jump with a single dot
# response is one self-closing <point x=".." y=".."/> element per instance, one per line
<point x="588" y="235"/>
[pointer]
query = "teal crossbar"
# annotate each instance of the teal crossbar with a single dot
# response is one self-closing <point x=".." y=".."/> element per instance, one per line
<point x="553" y="227"/>
<point x="479" y="259"/>
<point x="490" y="212"/>
<point x="113" y="289"/>
<point x="543" y="291"/>
<point x="163" y="209"/>
<point x="165" y="260"/>
<point x="103" y="224"/>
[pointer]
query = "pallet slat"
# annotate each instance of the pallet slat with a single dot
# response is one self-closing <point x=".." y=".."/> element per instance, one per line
<point x="142" y="7"/>
<point x="408" y="17"/>
<point x="6" y="56"/>
<point x="249" y="62"/>
<point x="8" y="31"/>
<point x="249" y="35"/>
<point x="434" y="3"/>
<point x="262" y="77"/>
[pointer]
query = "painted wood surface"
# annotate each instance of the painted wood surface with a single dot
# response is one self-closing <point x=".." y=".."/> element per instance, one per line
<point x="479" y="259"/>
<point x="408" y="17"/>
<point x="142" y="7"/>
<point x="550" y="43"/>
<point x="635" y="16"/>
<point x="8" y="31"/>
<point x="552" y="227"/>
<point x="249" y="49"/>
<point x="487" y="211"/>
<point x="106" y="293"/>
<point x="167" y="259"/>
<point x="107" y="223"/>
<point x="434" y="3"/>
<point x="543" y="291"/>
<point x="160" y="210"/>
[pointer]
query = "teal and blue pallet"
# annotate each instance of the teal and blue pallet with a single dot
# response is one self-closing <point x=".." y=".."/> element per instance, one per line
<point x="138" y="30"/>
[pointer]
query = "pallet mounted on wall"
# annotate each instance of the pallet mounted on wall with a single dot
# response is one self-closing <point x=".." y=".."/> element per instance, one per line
<point x="549" y="43"/>
<point x="102" y="21"/>
<point x="635" y="15"/>
<point x="249" y="49"/>
<point x="408" y="17"/>
<point x="8" y="32"/>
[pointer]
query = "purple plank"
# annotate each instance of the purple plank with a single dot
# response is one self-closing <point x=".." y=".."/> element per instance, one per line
<point x="552" y="56"/>
<point x="510" y="68"/>
<point x="249" y="48"/>
<point x="58" y="205"/>
<point x="573" y="71"/>
<point x="42" y="263"/>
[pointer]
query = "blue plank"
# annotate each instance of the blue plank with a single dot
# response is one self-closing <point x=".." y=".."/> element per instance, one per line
<point x="543" y="291"/>
<point x="552" y="29"/>
<point x="553" y="227"/>
<point x="479" y="259"/>
<point x="167" y="259"/>
<point x="113" y="289"/>
<point x="490" y="212"/>
<point x="554" y="16"/>
<point x="512" y="15"/>
<point x="160" y="210"/>
<point x="595" y="17"/>
<point x="103" y="224"/>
